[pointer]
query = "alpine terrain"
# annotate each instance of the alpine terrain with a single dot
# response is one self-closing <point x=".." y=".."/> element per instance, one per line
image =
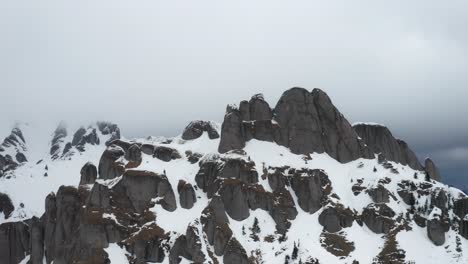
<point x="292" y="183"/>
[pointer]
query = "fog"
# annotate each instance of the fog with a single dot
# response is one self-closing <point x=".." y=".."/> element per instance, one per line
<point x="152" y="66"/>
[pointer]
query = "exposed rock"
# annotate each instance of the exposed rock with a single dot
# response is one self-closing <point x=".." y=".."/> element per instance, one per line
<point x="147" y="245"/>
<point x="235" y="253"/>
<point x="133" y="155"/>
<point x="310" y="123"/>
<point x="196" y="128"/>
<point x="439" y="199"/>
<point x="333" y="219"/>
<point x="166" y="154"/>
<point x="419" y="220"/>
<point x="312" y="188"/>
<point x="461" y="207"/>
<point x="36" y="229"/>
<point x="6" y="206"/>
<point x="20" y="157"/>
<point x="432" y="170"/>
<point x="109" y="164"/>
<point x="378" y="218"/>
<point x="215" y="225"/>
<point x="277" y="180"/>
<point x="108" y="128"/>
<point x="142" y="186"/>
<point x="381" y="141"/>
<point x="148" y="149"/>
<point x="463" y="228"/>
<point x="336" y="244"/>
<point x="379" y="194"/>
<point x="235" y="168"/>
<point x="15" y="139"/>
<point x="83" y="137"/>
<point x="193" y="157"/>
<point x="436" y="232"/>
<point x="187" y="195"/>
<point x="14" y="242"/>
<point x="88" y="174"/>
<point x="232" y="134"/>
<point x="59" y="135"/>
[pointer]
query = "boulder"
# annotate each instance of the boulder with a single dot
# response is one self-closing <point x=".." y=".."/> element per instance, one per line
<point x="133" y="155"/>
<point x="196" y="128"/>
<point x="436" y="232"/>
<point x="6" y="206"/>
<point x="110" y="166"/>
<point x="142" y="186"/>
<point x="381" y="141"/>
<point x="379" y="194"/>
<point x="88" y="174"/>
<point x="431" y="170"/>
<point x="235" y="253"/>
<point x="378" y="218"/>
<point x="439" y="199"/>
<point x="20" y="157"/>
<point x="166" y="154"/>
<point x="187" y="195"/>
<point x="333" y="219"/>
<point x="311" y="187"/>
<point x="14" y="242"/>
<point x="232" y="134"/>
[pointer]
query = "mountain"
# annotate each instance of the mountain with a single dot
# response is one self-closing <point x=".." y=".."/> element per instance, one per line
<point x="296" y="183"/>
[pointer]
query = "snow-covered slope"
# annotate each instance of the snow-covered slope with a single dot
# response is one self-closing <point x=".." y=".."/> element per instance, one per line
<point x="180" y="200"/>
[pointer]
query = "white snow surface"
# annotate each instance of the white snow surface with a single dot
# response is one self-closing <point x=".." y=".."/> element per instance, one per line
<point x="29" y="187"/>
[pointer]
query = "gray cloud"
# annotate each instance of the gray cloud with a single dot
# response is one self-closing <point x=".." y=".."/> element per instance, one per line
<point x="153" y="66"/>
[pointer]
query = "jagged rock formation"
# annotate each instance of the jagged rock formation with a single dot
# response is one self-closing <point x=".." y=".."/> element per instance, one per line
<point x="303" y="121"/>
<point x="196" y="128"/>
<point x="176" y="200"/>
<point x="381" y="141"/>
<point x="432" y="170"/>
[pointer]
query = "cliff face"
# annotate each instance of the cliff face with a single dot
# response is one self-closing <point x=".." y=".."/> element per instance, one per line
<point x="294" y="184"/>
<point x="305" y="122"/>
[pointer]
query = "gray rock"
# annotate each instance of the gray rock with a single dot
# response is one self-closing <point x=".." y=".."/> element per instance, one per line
<point x="59" y="135"/>
<point x="463" y="228"/>
<point x="235" y="253"/>
<point x="436" y="232"/>
<point x="88" y="174"/>
<point x="311" y="188"/>
<point x="333" y="219"/>
<point x="235" y="199"/>
<point x="215" y="225"/>
<point x="6" y="206"/>
<point x="166" y="154"/>
<point x="277" y="180"/>
<point x="460" y="207"/>
<point x="432" y="170"/>
<point x="196" y="128"/>
<point x="187" y="195"/>
<point x="379" y="194"/>
<point x="381" y="141"/>
<point x="14" y="242"/>
<point x="142" y="186"/>
<point x="232" y="134"/>
<point x="439" y="199"/>
<point x="133" y="155"/>
<point x="20" y="157"/>
<point x="109" y="167"/>
<point x="148" y="149"/>
<point x="378" y="218"/>
<point x="108" y="128"/>
<point x="36" y="241"/>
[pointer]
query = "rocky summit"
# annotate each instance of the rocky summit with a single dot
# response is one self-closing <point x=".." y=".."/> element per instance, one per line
<point x="293" y="183"/>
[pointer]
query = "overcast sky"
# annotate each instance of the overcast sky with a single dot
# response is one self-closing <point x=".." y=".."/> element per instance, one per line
<point x="152" y="66"/>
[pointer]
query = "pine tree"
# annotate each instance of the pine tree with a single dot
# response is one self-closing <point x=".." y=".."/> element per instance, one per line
<point x="255" y="230"/>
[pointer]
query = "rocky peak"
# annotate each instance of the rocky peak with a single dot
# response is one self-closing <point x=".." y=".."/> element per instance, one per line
<point x="432" y="170"/>
<point x="303" y="121"/>
<point x="381" y="141"/>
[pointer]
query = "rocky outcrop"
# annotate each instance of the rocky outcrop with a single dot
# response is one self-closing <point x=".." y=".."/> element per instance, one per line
<point x="142" y="186"/>
<point x="196" y="128"/>
<point x="165" y="153"/>
<point x="431" y="170"/>
<point x="222" y="168"/>
<point x="187" y="195"/>
<point x="381" y="141"/>
<point x="436" y="231"/>
<point x="6" y="206"/>
<point x="83" y="137"/>
<point x="111" y="129"/>
<point x="311" y="187"/>
<point x="14" y="242"/>
<point x="378" y="218"/>
<point x="333" y="219"/>
<point x="110" y="164"/>
<point x="88" y="174"/>
<point x="133" y="155"/>
<point x="379" y="194"/>
<point x="303" y="121"/>
<point x="15" y="139"/>
<point x="58" y="139"/>
<point x="235" y="253"/>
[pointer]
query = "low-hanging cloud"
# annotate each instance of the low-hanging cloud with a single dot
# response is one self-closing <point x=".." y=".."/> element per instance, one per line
<point x="153" y="66"/>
